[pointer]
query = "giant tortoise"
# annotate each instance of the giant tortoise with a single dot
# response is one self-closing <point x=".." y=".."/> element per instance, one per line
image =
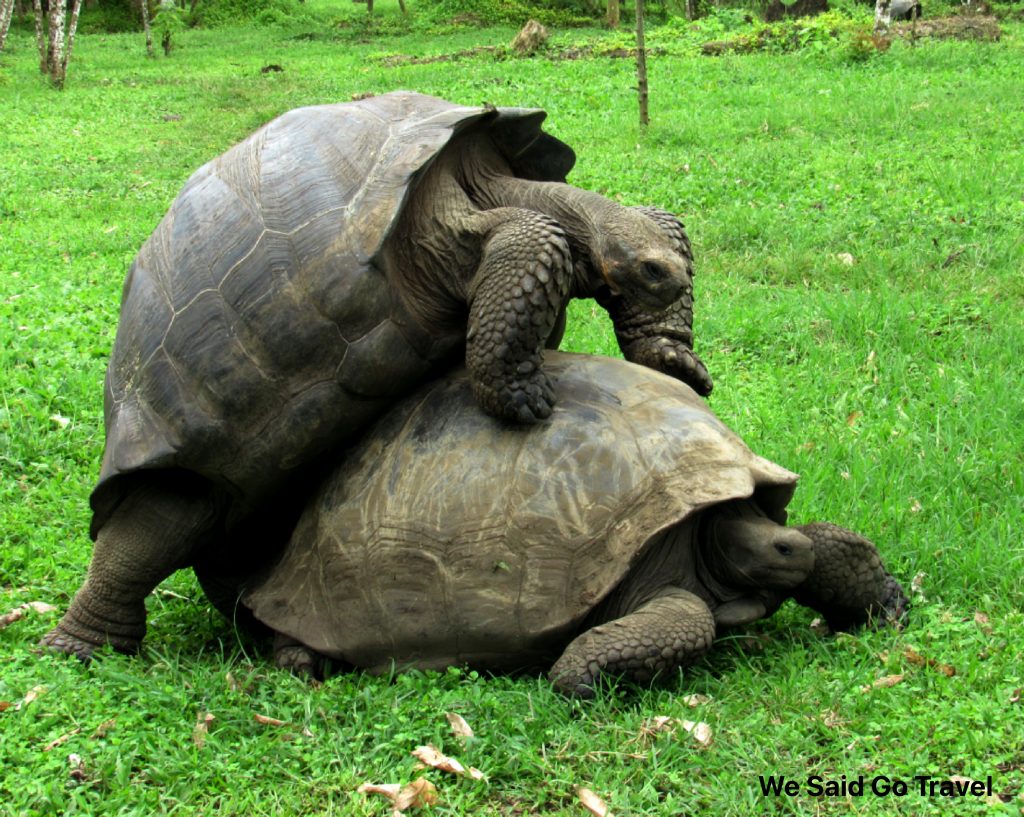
<point x="618" y="538"/>
<point x="303" y="280"/>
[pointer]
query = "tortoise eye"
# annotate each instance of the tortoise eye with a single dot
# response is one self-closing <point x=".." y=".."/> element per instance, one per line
<point x="784" y="550"/>
<point x="654" y="272"/>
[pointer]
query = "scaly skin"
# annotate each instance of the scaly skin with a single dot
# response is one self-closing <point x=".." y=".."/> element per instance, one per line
<point x="515" y="298"/>
<point x="670" y="631"/>
<point x="296" y="657"/>
<point x="153" y="532"/>
<point x="849" y="586"/>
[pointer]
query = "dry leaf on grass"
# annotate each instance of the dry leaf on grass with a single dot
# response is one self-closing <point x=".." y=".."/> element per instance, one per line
<point x="77" y="772"/>
<point x="429" y="755"/>
<point x="459" y="726"/>
<point x="266" y="720"/>
<point x="701" y="732"/>
<point x="18" y="612"/>
<point x="31" y="695"/>
<point x="101" y="730"/>
<point x="421" y="792"/>
<point x="1015" y="695"/>
<point x="915" y="658"/>
<point x="592" y="803"/>
<point x="53" y="744"/>
<point x="845" y="258"/>
<point x="982" y="621"/>
<point x="4" y="705"/>
<point x="202" y="728"/>
<point x="917" y="585"/>
<point x="882" y="683"/>
<point x="696" y="700"/>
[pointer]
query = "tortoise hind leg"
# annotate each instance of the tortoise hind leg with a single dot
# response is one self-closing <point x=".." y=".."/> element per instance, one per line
<point x="671" y="630"/>
<point x="153" y="532"/>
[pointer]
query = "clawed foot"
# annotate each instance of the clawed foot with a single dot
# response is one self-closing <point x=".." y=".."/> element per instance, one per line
<point x="674" y="358"/>
<point x="526" y="399"/>
<point x="60" y="640"/>
<point x="297" y="658"/>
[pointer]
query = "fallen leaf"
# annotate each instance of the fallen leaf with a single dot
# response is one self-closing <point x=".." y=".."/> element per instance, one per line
<point x="421" y="792"/>
<point x="430" y="756"/>
<point x="917" y="585"/>
<point x="852" y="417"/>
<point x="5" y="705"/>
<point x="696" y="700"/>
<point x="592" y="803"/>
<point x="701" y="732"/>
<point x="1015" y="696"/>
<point x="53" y="744"/>
<point x="101" y="730"/>
<point x="7" y="619"/>
<point x="914" y="657"/>
<point x="819" y="627"/>
<point x="19" y="612"/>
<point x="882" y="683"/>
<point x="915" y="505"/>
<point x="30" y="696"/>
<point x="845" y="258"/>
<point x="459" y="726"/>
<point x="77" y="772"/>
<point x="389" y="790"/>
<point x="61" y="421"/>
<point x="267" y="720"/>
<point x="202" y="728"/>
<point x="982" y="621"/>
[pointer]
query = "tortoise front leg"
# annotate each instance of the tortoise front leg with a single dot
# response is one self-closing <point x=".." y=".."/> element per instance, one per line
<point x="671" y="630"/>
<point x="849" y="585"/>
<point x="515" y="298"/>
<point x="156" y="529"/>
<point x="662" y="341"/>
<point x="296" y="657"/>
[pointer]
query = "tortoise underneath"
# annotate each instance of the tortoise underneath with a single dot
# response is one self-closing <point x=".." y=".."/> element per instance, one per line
<point x="619" y="538"/>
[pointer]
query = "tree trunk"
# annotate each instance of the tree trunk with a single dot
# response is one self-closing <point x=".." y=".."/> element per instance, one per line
<point x="144" y="8"/>
<point x="6" y="10"/>
<point x="641" y="64"/>
<point x="691" y="9"/>
<point x="55" y="54"/>
<point x="612" y="14"/>
<point x="882" y="19"/>
<point x="72" y="28"/>
<point x="37" y="7"/>
<point x="369" y="7"/>
<point x="401" y="5"/>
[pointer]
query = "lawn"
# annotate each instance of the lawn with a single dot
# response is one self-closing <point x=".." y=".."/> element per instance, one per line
<point x="859" y="232"/>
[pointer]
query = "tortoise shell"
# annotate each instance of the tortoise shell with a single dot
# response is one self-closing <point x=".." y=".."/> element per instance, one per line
<point x="261" y="323"/>
<point x="446" y="537"/>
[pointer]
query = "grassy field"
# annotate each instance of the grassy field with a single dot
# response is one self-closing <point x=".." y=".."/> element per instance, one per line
<point x="859" y="229"/>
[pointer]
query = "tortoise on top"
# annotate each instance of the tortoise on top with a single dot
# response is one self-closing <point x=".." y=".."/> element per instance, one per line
<point x="301" y="281"/>
<point x="619" y="538"/>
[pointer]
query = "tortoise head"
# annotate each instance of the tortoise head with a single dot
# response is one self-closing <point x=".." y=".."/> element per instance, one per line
<point x="744" y="550"/>
<point x="637" y="261"/>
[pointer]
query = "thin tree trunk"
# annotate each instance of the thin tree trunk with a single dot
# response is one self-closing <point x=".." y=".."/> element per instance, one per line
<point x="37" y="7"/>
<point x="612" y="14"/>
<point x="641" y="64"/>
<point x="691" y="11"/>
<point x="144" y="8"/>
<point x="55" y="57"/>
<point x="401" y="5"/>
<point x="6" y="10"/>
<point x="72" y="28"/>
<point x="882" y="19"/>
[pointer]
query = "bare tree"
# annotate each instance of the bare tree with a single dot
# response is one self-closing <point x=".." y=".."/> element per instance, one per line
<point x="641" y="64"/>
<point x="54" y="43"/>
<point x="144" y="10"/>
<point x="612" y="14"/>
<point x="6" y="11"/>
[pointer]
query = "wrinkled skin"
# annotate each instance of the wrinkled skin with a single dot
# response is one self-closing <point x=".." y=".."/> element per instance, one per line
<point x="310" y="276"/>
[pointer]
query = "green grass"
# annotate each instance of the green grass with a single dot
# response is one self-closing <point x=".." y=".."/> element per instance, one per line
<point x="893" y="386"/>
